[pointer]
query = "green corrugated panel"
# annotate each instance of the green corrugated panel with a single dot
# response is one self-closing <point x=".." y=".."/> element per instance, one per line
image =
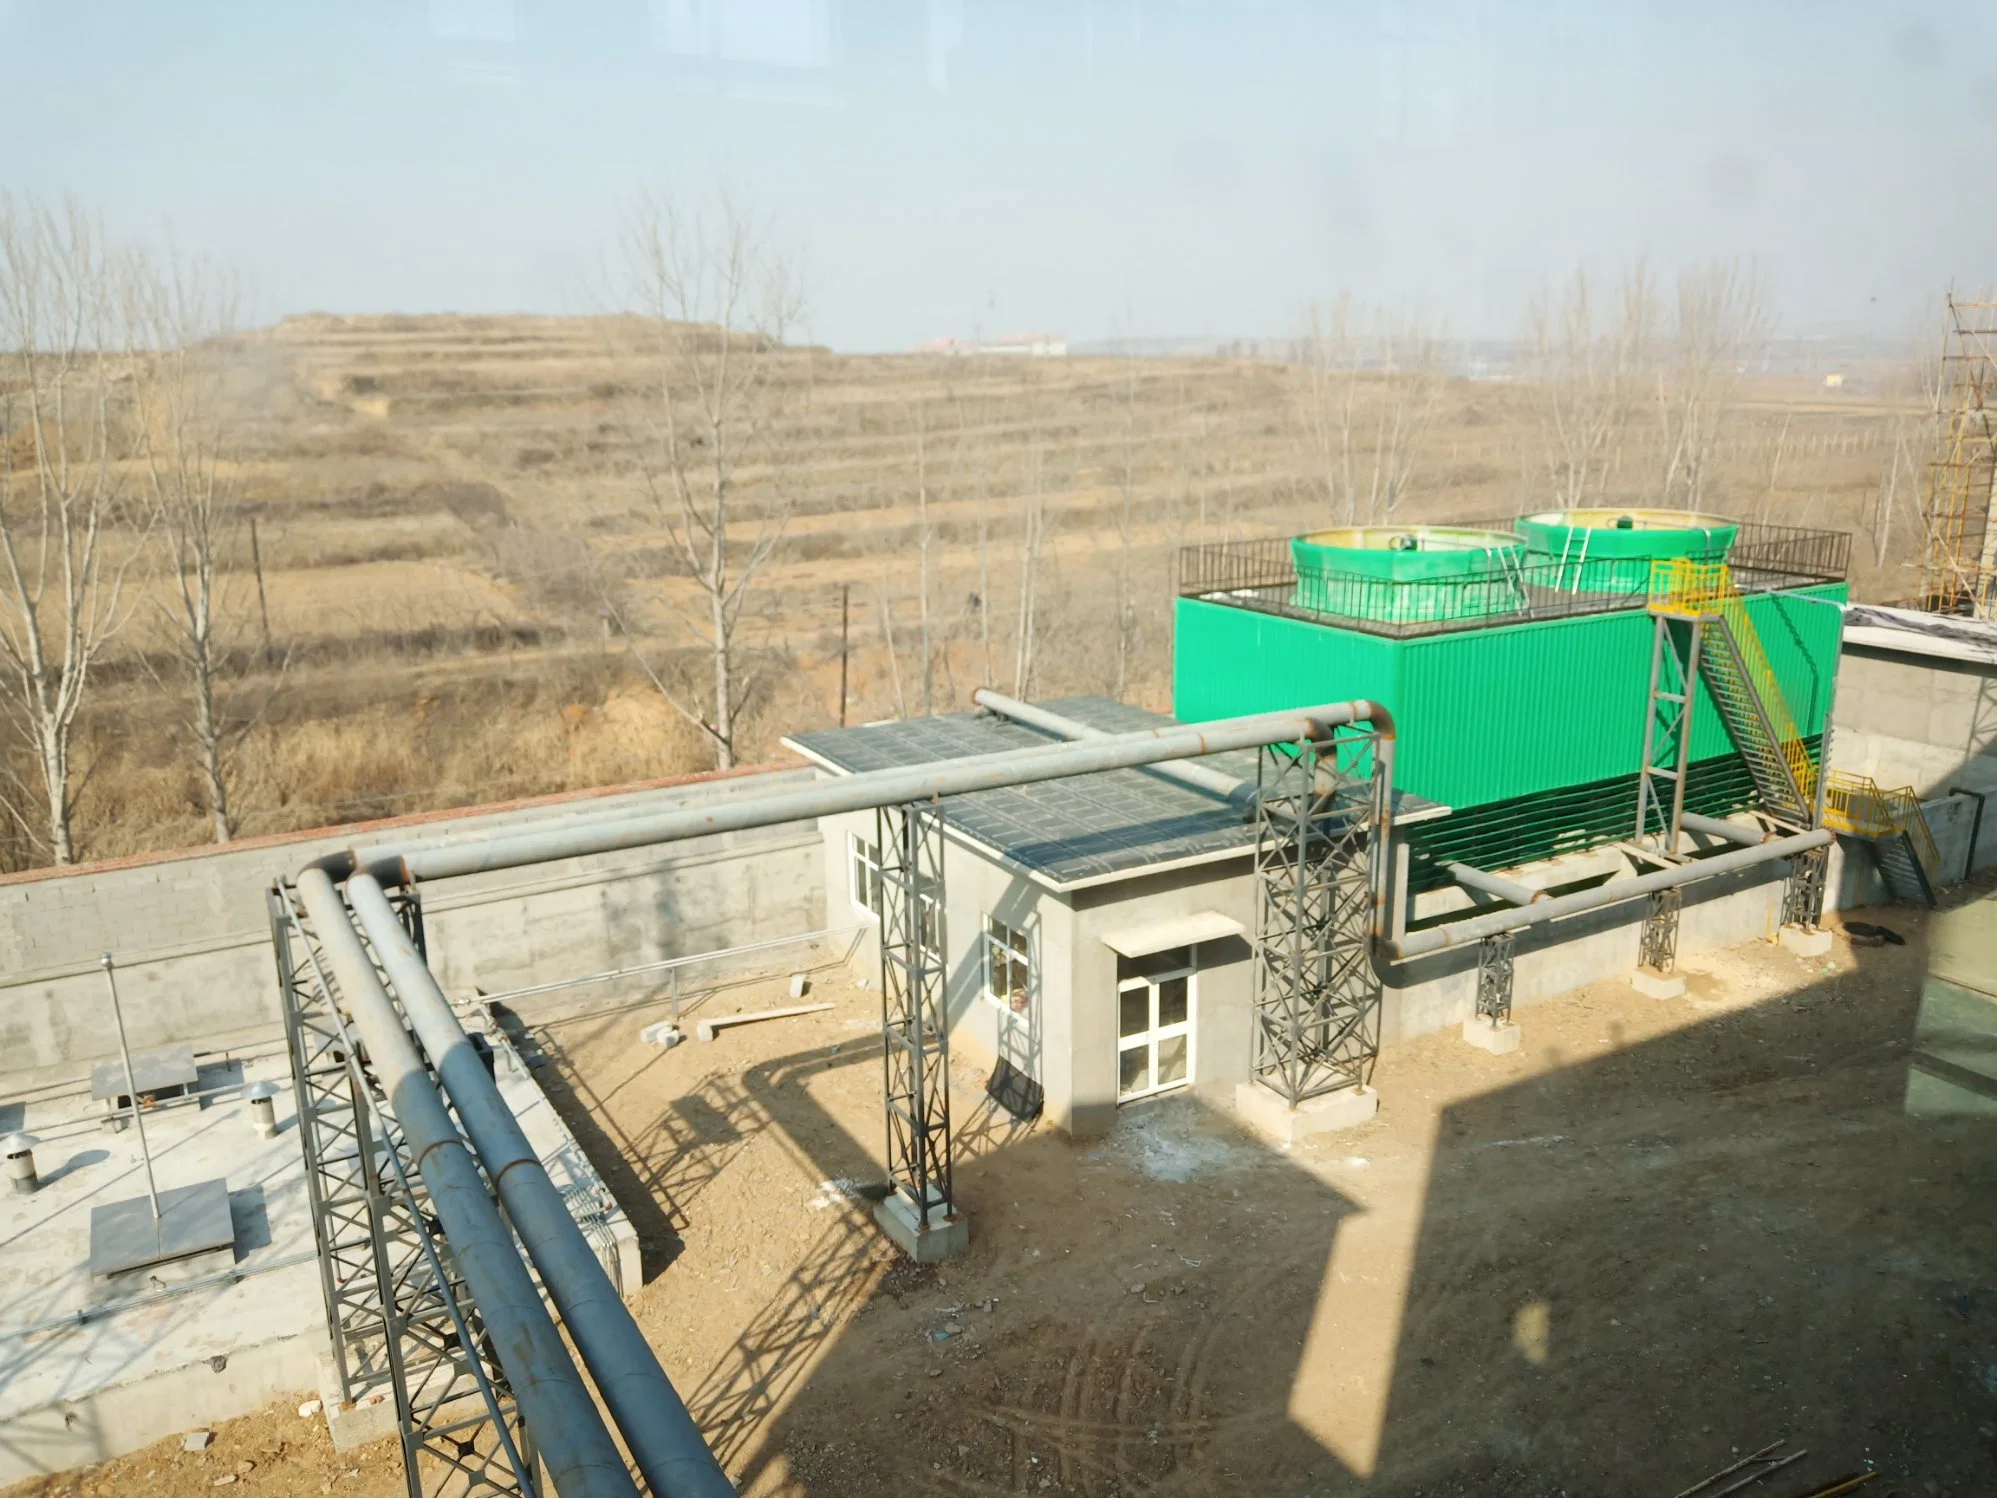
<point x="1490" y="714"/>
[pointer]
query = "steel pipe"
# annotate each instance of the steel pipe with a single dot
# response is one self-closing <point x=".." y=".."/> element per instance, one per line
<point x="1732" y="832"/>
<point x="661" y="1435"/>
<point x="1466" y="932"/>
<point x="1188" y="773"/>
<point x="1474" y="878"/>
<point x="582" y="1460"/>
<point x="863" y="792"/>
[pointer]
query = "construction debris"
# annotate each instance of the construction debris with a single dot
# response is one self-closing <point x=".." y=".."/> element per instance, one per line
<point x="1765" y="1456"/>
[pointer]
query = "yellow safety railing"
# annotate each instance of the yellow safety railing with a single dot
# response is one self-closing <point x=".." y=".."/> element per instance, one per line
<point x="1687" y="589"/>
<point x="1859" y="805"/>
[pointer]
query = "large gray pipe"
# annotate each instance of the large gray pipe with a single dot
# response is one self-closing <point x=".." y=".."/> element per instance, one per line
<point x="663" y="1439"/>
<point x="865" y="791"/>
<point x="581" y="1458"/>
<point x="1471" y="877"/>
<point x="1462" y="933"/>
<point x="1186" y="772"/>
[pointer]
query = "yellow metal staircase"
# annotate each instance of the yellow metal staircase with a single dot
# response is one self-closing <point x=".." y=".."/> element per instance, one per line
<point x="1893" y="822"/>
<point x="1737" y="673"/>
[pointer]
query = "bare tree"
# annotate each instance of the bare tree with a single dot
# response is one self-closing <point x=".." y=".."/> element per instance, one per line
<point x="63" y="442"/>
<point x="717" y="298"/>
<point x="1033" y="525"/>
<point x="1721" y="325"/>
<point x="1125" y="521"/>
<point x="1589" y="372"/>
<point x="1370" y="389"/>
<point x="179" y="311"/>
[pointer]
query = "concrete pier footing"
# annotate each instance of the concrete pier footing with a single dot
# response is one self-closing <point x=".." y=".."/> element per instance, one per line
<point x="1803" y="941"/>
<point x="1269" y="1114"/>
<point x="1498" y="1036"/>
<point x="944" y="1238"/>
<point x="1652" y="984"/>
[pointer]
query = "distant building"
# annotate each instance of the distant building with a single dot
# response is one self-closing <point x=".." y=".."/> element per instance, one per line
<point x="1033" y="345"/>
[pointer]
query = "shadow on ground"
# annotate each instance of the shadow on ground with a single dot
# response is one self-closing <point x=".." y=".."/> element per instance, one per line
<point x="1627" y="1265"/>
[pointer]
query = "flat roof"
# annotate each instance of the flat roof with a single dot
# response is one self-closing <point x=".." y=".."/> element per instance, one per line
<point x="1071" y="833"/>
<point x="1913" y="632"/>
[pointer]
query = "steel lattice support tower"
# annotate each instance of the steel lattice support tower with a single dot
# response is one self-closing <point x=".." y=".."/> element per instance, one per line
<point x="1959" y="545"/>
<point x="915" y="1023"/>
<point x="1657" y="948"/>
<point x="1317" y="994"/>
<point x="398" y="1315"/>
<point x="1667" y="732"/>
<point x="1494" y="977"/>
<point x="1803" y="894"/>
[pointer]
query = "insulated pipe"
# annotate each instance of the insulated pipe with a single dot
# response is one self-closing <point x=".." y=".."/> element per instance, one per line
<point x="581" y="1458"/>
<point x="664" y="1441"/>
<point x="869" y="789"/>
<point x="1186" y="772"/>
<point x="1733" y="832"/>
<point x="1462" y="933"/>
<point x="1495" y="884"/>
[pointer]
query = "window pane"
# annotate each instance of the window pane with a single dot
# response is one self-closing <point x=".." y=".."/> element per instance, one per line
<point x="1133" y="1010"/>
<point x="1016" y="979"/>
<point x="1172" y="1060"/>
<point x="1133" y="1069"/>
<point x="1172" y="1002"/>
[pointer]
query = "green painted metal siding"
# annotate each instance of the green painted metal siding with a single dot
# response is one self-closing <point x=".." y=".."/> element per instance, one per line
<point x="1491" y="714"/>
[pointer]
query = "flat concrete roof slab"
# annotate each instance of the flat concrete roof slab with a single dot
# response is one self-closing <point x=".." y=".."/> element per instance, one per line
<point x="192" y="1220"/>
<point x="152" y="1071"/>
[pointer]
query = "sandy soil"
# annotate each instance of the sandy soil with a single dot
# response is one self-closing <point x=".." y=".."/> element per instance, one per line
<point x="1659" y="1235"/>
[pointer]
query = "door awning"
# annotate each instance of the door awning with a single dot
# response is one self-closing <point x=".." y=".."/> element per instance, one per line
<point x="1177" y="931"/>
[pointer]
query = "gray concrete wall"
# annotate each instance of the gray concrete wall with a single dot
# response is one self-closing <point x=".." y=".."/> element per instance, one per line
<point x="191" y="935"/>
<point x="1915" y="720"/>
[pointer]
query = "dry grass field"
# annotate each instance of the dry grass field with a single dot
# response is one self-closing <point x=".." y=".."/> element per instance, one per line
<point x="446" y="506"/>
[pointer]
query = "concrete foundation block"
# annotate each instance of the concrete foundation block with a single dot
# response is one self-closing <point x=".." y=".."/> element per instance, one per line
<point x="1499" y="1037"/>
<point x="944" y="1237"/>
<point x="1269" y="1114"/>
<point x="1804" y="943"/>
<point x="1655" y="985"/>
<point x="371" y="1419"/>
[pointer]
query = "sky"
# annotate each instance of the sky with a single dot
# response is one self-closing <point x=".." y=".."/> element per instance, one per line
<point x="1099" y="168"/>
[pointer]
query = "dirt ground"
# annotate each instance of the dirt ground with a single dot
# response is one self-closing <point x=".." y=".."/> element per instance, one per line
<point x="1659" y="1236"/>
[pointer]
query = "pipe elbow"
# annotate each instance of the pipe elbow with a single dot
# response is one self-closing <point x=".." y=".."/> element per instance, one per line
<point x="336" y="866"/>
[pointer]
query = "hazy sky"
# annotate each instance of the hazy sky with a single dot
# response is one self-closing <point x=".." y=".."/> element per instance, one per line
<point x="948" y="166"/>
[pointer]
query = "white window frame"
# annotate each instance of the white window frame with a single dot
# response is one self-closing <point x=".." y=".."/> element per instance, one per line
<point x="1151" y="1037"/>
<point x="1016" y="943"/>
<point x="863" y="867"/>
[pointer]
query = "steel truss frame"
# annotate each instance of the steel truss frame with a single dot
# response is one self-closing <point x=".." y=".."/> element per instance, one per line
<point x="1494" y="977"/>
<point x="1803" y="892"/>
<point x="1657" y="948"/>
<point x="915" y="1022"/>
<point x="398" y="1314"/>
<point x="1667" y="733"/>
<point x="1316" y="991"/>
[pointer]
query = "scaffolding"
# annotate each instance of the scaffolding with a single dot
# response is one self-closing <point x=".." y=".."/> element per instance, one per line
<point x="400" y="1320"/>
<point x="1317" y="994"/>
<point x="1958" y="564"/>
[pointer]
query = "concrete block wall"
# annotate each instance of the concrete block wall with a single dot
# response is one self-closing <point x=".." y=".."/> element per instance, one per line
<point x="191" y="936"/>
